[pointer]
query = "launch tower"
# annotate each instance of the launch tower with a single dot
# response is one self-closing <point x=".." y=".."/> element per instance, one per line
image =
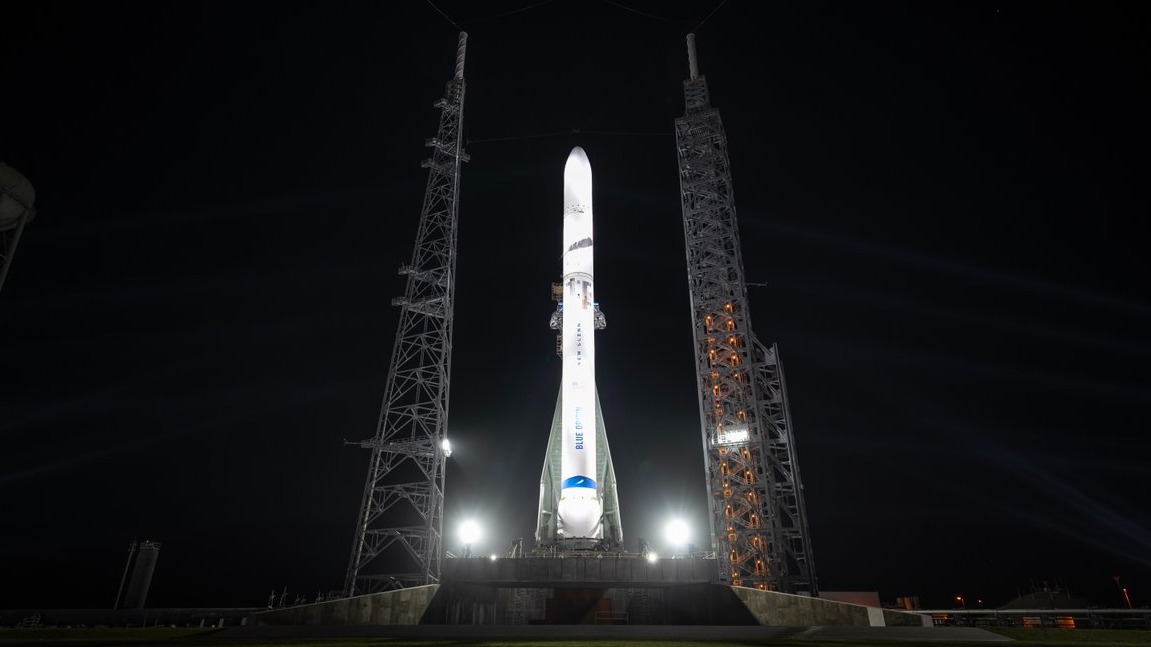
<point x="401" y="516"/>
<point x="758" y="519"/>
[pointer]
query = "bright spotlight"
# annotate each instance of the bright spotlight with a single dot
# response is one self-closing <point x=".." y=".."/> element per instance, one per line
<point x="447" y="447"/>
<point x="493" y="557"/>
<point x="470" y="531"/>
<point x="652" y="557"/>
<point x="677" y="532"/>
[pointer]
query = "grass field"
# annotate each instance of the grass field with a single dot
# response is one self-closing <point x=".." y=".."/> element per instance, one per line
<point x="1089" y="637"/>
<point x="175" y="637"/>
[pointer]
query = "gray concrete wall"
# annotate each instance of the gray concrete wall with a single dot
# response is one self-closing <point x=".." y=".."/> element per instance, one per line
<point x="399" y="607"/>
<point x="704" y="604"/>
<point x="894" y="618"/>
<point x="464" y="604"/>
<point x="609" y="570"/>
<point x="783" y="609"/>
<point x="577" y="571"/>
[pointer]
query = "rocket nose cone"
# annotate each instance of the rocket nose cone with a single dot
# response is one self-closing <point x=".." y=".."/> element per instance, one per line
<point x="579" y="156"/>
<point x="577" y="163"/>
<point x="577" y="182"/>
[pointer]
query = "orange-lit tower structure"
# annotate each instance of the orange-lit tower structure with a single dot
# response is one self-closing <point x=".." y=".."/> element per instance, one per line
<point x="758" y="518"/>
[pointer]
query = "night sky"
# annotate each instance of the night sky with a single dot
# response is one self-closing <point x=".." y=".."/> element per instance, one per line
<point x="941" y="208"/>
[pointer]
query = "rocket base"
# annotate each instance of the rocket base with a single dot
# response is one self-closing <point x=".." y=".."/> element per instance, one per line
<point x="576" y="545"/>
<point x="548" y="536"/>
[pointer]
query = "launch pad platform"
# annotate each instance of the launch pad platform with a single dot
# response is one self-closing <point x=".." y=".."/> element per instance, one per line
<point x="603" y="589"/>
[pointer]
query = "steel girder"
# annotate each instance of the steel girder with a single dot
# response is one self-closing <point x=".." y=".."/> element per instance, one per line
<point x="791" y="535"/>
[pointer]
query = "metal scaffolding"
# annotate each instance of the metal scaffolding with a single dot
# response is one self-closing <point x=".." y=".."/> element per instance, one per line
<point x="401" y="516"/>
<point x="758" y="518"/>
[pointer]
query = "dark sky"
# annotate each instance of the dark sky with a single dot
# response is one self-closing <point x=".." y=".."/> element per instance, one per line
<point x="943" y="204"/>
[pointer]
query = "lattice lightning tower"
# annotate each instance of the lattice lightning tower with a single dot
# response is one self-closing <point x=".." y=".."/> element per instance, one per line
<point x="401" y="517"/>
<point x="758" y="519"/>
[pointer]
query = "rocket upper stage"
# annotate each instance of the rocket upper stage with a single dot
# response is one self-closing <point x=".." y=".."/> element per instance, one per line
<point x="577" y="216"/>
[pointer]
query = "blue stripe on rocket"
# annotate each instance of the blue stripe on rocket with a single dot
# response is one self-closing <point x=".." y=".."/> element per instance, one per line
<point x="578" y="481"/>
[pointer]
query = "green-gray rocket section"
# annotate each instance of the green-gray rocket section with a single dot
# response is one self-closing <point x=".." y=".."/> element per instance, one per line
<point x="546" y="531"/>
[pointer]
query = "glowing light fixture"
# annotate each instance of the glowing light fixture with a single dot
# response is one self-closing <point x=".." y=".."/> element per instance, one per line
<point x="470" y="531"/>
<point x="732" y="436"/>
<point x="677" y="532"/>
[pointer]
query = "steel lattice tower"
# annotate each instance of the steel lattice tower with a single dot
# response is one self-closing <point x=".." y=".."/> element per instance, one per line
<point x="401" y="517"/>
<point x="758" y="519"/>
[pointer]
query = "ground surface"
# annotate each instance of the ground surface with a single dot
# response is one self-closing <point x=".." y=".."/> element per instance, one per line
<point x="568" y="636"/>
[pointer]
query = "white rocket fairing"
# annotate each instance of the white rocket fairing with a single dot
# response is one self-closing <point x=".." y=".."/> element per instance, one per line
<point x="580" y="511"/>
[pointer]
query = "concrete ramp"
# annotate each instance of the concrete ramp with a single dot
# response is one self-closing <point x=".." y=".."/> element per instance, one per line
<point x="399" y="607"/>
<point x="774" y="609"/>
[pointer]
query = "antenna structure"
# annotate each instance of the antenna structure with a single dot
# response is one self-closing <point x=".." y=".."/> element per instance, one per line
<point x="758" y="517"/>
<point x="401" y="515"/>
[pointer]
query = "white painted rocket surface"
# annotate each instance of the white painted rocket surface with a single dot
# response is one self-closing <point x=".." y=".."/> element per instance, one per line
<point x="580" y="511"/>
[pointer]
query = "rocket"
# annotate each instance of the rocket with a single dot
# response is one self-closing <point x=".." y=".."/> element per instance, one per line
<point x="579" y="504"/>
<point x="580" y="510"/>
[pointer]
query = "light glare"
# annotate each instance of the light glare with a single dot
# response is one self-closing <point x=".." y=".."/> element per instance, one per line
<point x="470" y="531"/>
<point x="732" y="437"/>
<point x="677" y="532"/>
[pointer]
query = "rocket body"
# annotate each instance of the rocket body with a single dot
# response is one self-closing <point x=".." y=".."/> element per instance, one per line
<point x="580" y="510"/>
